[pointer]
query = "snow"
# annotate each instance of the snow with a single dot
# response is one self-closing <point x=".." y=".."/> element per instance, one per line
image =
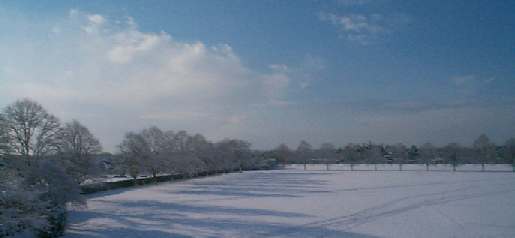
<point x="297" y="203"/>
<point x="117" y="178"/>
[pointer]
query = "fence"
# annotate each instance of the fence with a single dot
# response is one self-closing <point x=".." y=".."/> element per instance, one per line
<point x="405" y="167"/>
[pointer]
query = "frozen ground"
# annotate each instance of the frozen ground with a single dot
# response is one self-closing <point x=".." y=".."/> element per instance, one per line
<point x="296" y="203"/>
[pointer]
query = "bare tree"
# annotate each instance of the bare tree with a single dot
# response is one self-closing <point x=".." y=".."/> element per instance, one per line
<point x="304" y="151"/>
<point x="327" y="151"/>
<point x="32" y="130"/>
<point x="352" y="153"/>
<point x="427" y="154"/>
<point x="485" y="150"/>
<point x="374" y="154"/>
<point x="452" y="154"/>
<point x="76" y="139"/>
<point x="509" y="152"/>
<point x="78" y="146"/>
<point x="5" y="148"/>
<point x="283" y="153"/>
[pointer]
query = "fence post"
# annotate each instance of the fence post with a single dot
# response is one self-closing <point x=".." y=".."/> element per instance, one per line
<point x="351" y="167"/>
<point x="427" y="166"/>
<point x="375" y="167"/>
<point x="400" y="167"/>
<point x="483" y="167"/>
<point x="305" y="166"/>
<point x="327" y="167"/>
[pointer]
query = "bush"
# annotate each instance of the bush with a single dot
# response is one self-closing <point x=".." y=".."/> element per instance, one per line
<point x="33" y="199"/>
<point x="56" y="219"/>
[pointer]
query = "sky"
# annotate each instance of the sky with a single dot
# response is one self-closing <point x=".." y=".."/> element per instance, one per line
<point x="265" y="71"/>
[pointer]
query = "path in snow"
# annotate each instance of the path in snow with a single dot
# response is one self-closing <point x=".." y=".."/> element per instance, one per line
<point x="295" y="203"/>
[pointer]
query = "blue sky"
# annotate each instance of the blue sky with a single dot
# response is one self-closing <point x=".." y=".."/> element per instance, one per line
<point x="340" y="71"/>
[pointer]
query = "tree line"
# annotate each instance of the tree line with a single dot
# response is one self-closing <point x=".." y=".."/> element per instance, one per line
<point x="43" y="162"/>
<point x="482" y="151"/>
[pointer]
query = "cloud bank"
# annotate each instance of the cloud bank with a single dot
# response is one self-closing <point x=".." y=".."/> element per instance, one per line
<point x="115" y="77"/>
<point x="105" y="70"/>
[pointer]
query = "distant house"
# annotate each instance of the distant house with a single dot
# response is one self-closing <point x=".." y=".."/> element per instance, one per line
<point x="438" y="160"/>
<point x="388" y="156"/>
<point x="104" y="161"/>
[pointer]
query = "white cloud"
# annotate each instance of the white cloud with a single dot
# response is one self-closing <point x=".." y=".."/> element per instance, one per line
<point x="117" y="78"/>
<point x="353" y="2"/>
<point x="128" y="46"/>
<point x="279" y="67"/>
<point x="93" y="22"/>
<point x="463" y="79"/>
<point x="360" y="28"/>
<point x="96" y="19"/>
<point x="275" y="84"/>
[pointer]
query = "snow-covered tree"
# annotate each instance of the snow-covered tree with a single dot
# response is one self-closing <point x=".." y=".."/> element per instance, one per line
<point x="135" y="151"/>
<point x="400" y="152"/>
<point x="374" y="153"/>
<point x="327" y="151"/>
<point x="155" y="140"/>
<point x="203" y="150"/>
<point x="33" y="198"/>
<point x="20" y="208"/>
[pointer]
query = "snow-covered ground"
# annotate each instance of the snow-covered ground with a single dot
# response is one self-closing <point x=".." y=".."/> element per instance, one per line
<point x="297" y="203"/>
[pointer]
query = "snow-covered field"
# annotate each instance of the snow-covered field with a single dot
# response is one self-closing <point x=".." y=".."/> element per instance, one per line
<point x="297" y="203"/>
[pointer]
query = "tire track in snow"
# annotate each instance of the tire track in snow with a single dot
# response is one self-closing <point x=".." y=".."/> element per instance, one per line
<point x="389" y="209"/>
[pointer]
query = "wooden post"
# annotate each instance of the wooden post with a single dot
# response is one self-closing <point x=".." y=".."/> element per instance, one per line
<point x="454" y="161"/>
